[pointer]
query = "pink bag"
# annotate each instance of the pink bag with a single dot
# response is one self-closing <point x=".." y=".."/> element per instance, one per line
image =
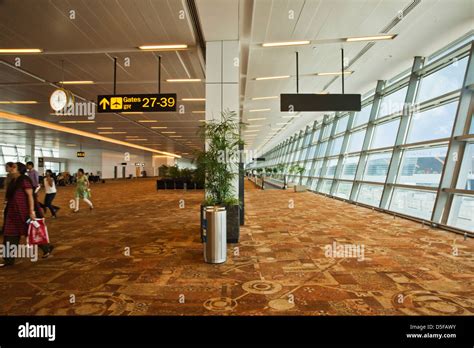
<point x="37" y="232"/>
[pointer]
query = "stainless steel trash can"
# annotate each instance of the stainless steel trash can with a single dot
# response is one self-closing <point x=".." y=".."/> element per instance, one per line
<point x="215" y="245"/>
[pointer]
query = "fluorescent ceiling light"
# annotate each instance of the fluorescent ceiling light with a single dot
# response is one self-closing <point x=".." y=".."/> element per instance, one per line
<point x="258" y="110"/>
<point x="85" y="82"/>
<point x="193" y="99"/>
<point x="264" y="98"/>
<point x="176" y="136"/>
<point x="57" y="127"/>
<point x="198" y="112"/>
<point x="70" y="145"/>
<point x="132" y="136"/>
<point x="19" y="102"/>
<point x="168" y="132"/>
<point x="147" y="121"/>
<point x="76" y="121"/>
<point x="159" y="127"/>
<point x="272" y="77"/>
<point x="256" y="119"/>
<point x="347" y="72"/>
<point x="20" y="50"/>
<point x="183" y="80"/>
<point x="105" y="127"/>
<point x="286" y="43"/>
<point x="371" y="38"/>
<point x="162" y="47"/>
<point x="137" y="139"/>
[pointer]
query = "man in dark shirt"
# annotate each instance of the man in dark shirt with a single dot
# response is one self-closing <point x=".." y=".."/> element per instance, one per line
<point x="34" y="176"/>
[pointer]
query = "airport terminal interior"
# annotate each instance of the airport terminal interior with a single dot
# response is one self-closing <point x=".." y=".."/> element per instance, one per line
<point x="237" y="157"/>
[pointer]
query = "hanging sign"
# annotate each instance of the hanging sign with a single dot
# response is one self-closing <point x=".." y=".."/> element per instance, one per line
<point x="320" y="102"/>
<point x="81" y="154"/>
<point x="136" y="103"/>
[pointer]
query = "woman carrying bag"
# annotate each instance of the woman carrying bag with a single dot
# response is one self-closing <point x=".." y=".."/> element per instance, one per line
<point x="21" y="208"/>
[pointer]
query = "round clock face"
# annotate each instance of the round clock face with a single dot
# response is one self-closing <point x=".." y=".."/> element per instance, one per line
<point x="58" y="100"/>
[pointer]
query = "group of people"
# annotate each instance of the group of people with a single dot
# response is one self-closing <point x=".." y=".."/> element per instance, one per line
<point x="22" y="206"/>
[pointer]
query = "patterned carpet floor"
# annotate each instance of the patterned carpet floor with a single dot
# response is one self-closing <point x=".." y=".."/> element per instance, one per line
<point x="139" y="253"/>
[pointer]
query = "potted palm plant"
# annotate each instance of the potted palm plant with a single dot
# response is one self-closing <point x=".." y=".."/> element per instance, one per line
<point x="223" y="139"/>
<point x="280" y="168"/>
<point x="298" y="170"/>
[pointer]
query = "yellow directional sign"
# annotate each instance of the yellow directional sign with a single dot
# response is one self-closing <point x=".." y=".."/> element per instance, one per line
<point x="136" y="103"/>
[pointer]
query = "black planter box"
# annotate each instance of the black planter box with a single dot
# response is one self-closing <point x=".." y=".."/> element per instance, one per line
<point x="168" y="184"/>
<point x="232" y="226"/>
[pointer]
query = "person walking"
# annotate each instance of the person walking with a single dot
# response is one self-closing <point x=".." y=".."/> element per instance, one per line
<point x="34" y="176"/>
<point x="82" y="190"/>
<point x="8" y="168"/>
<point x="21" y="206"/>
<point x="50" y="190"/>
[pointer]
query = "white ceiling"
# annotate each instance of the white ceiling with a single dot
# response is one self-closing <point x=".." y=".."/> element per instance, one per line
<point x="87" y="44"/>
<point x="430" y="26"/>
<point x="104" y="29"/>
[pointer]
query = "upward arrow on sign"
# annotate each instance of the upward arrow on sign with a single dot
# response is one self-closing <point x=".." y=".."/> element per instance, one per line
<point x="104" y="103"/>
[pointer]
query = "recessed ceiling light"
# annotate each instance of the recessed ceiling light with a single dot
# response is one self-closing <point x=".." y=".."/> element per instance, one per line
<point x="76" y="121"/>
<point x="257" y="119"/>
<point x="272" y="77"/>
<point x="371" y="38"/>
<point x="347" y="72"/>
<point x="286" y="43"/>
<point x="20" y="50"/>
<point x="162" y="47"/>
<point x="112" y="132"/>
<point x="264" y="98"/>
<point x="193" y="99"/>
<point x="147" y="121"/>
<point x="258" y="110"/>
<point x="183" y="80"/>
<point x="85" y="82"/>
<point x="19" y="102"/>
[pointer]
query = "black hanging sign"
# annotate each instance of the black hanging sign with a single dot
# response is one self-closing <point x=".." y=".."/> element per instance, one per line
<point x="320" y="102"/>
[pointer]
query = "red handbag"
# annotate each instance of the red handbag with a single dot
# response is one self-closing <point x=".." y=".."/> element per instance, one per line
<point x="37" y="232"/>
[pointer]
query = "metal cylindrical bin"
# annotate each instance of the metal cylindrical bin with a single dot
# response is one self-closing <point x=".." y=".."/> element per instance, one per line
<point x="215" y="245"/>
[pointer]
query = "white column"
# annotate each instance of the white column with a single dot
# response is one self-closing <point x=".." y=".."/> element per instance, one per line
<point x="222" y="83"/>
